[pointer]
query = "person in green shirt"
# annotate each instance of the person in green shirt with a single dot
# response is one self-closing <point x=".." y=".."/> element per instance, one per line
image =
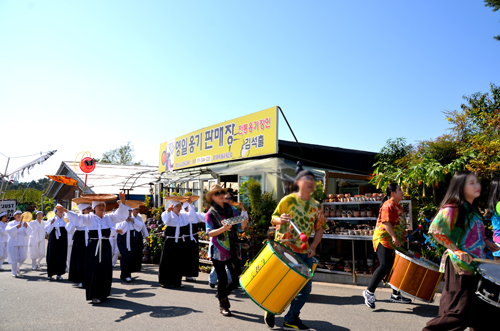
<point x="307" y="214"/>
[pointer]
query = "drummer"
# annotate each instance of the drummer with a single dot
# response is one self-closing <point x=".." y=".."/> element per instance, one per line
<point x="388" y="235"/>
<point x="311" y="218"/>
<point x="494" y="213"/>
<point x="458" y="226"/>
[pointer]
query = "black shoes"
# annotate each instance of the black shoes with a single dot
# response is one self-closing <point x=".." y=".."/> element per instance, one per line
<point x="269" y="319"/>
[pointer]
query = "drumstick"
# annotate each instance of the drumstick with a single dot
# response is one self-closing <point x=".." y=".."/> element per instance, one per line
<point x="302" y="236"/>
<point x="486" y="261"/>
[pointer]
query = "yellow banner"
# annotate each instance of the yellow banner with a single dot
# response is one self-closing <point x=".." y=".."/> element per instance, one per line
<point x="243" y="137"/>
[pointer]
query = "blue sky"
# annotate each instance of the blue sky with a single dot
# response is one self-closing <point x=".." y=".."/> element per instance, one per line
<point x="92" y="75"/>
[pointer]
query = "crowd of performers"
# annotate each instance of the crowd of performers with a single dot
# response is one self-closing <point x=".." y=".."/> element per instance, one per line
<point x="88" y="244"/>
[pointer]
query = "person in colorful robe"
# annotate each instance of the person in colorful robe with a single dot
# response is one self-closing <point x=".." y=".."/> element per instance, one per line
<point x="459" y="227"/>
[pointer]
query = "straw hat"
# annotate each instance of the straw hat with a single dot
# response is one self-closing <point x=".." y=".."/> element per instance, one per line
<point x="133" y="203"/>
<point x="99" y="197"/>
<point x="79" y="201"/>
<point x="176" y="198"/>
<point x="213" y="189"/>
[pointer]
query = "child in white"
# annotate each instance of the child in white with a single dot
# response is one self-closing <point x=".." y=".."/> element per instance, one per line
<point x="3" y="239"/>
<point x="37" y="240"/>
<point x="18" y="242"/>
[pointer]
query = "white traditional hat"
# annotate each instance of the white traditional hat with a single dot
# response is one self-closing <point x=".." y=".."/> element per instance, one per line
<point x="38" y="212"/>
<point x="17" y="212"/>
<point x="97" y="203"/>
<point x="83" y="206"/>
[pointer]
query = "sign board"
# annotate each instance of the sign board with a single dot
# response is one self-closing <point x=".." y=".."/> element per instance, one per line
<point x="243" y="137"/>
<point x="9" y="207"/>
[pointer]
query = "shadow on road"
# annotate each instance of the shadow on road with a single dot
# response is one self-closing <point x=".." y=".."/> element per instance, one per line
<point x="132" y="293"/>
<point x="333" y="300"/>
<point x="314" y="325"/>
<point x="134" y="309"/>
<point x="422" y="310"/>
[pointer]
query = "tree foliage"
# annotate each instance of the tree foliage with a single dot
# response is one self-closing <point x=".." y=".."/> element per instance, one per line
<point x="477" y="128"/>
<point x="29" y="197"/>
<point x="495" y="4"/>
<point x="121" y="155"/>
<point x="41" y="184"/>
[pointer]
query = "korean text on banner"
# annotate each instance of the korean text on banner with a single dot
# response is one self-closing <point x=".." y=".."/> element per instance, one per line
<point x="243" y="137"/>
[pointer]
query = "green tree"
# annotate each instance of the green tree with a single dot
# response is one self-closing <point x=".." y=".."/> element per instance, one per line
<point x="495" y="4"/>
<point x="477" y="128"/>
<point x="121" y="155"/>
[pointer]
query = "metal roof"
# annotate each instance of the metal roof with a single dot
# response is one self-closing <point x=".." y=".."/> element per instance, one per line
<point x="108" y="178"/>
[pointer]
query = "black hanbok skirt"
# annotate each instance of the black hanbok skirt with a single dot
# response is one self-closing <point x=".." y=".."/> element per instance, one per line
<point x="131" y="261"/>
<point x="57" y="253"/>
<point x="77" y="261"/>
<point x="98" y="275"/>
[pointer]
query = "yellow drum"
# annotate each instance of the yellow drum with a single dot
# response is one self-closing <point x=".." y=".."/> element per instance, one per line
<point x="315" y="264"/>
<point x="275" y="277"/>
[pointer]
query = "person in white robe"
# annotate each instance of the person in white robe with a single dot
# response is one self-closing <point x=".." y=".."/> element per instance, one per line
<point x="57" y="246"/>
<point x="173" y="261"/>
<point x="70" y="229"/>
<point x="98" y="268"/>
<point x="194" y="218"/>
<point x="37" y="240"/>
<point x="76" y="260"/>
<point x="17" y="244"/>
<point x="4" y="237"/>
<point x="129" y="242"/>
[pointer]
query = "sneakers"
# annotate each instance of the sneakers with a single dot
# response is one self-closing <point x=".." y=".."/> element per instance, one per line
<point x="295" y="325"/>
<point x="369" y="299"/>
<point x="96" y="301"/>
<point x="269" y="319"/>
<point x="190" y="279"/>
<point x="79" y="285"/>
<point x="399" y="299"/>
<point x="59" y="278"/>
<point x="211" y="285"/>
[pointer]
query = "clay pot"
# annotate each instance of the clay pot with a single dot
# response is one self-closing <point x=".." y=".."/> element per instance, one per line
<point x="338" y="213"/>
<point x="355" y="213"/>
<point x="369" y="213"/>
<point x="327" y="213"/>
<point x="145" y="252"/>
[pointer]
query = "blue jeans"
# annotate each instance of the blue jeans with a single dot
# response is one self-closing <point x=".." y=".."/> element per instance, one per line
<point x="212" y="278"/>
<point x="300" y="300"/>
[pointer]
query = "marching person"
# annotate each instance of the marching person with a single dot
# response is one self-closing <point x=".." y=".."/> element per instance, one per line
<point x="70" y="230"/>
<point x="224" y="249"/>
<point x="192" y="246"/>
<point x="388" y="235"/>
<point x="17" y="244"/>
<point x="230" y="199"/>
<point x="98" y="268"/>
<point x="115" y="251"/>
<point x="4" y="237"/>
<point x="57" y="247"/>
<point x="37" y="241"/>
<point x="307" y="214"/>
<point x="459" y="227"/>
<point x="494" y="213"/>
<point x="78" y="252"/>
<point x="174" y="254"/>
<point x="129" y="237"/>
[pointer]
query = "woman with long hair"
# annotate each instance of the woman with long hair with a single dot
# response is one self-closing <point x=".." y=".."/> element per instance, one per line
<point x="494" y="213"/>
<point x="458" y="226"/>
<point x="224" y="249"/>
<point x="388" y="235"/>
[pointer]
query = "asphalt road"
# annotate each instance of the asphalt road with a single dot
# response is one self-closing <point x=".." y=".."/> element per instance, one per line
<point x="31" y="302"/>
